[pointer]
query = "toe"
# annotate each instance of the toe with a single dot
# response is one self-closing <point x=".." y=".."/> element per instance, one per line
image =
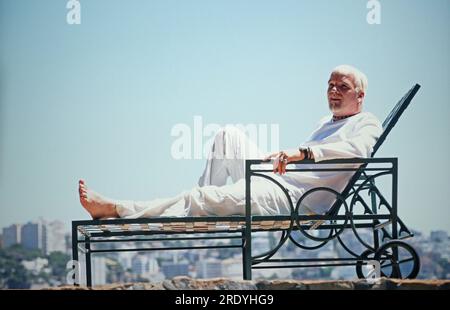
<point x="83" y="197"/>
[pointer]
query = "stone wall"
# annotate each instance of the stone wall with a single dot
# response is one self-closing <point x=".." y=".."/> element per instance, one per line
<point x="186" y="283"/>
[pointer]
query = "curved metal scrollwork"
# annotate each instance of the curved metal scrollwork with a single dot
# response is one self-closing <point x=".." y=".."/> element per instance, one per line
<point x="357" y="198"/>
<point x="333" y="231"/>
<point x="286" y="233"/>
<point x="335" y="228"/>
<point x="306" y="247"/>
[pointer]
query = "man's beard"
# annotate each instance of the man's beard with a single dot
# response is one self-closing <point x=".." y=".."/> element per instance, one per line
<point x="334" y="107"/>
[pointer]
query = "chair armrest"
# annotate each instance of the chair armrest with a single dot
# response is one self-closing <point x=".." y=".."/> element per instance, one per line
<point x="321" y="166"/>
<point x="333" y="161"/>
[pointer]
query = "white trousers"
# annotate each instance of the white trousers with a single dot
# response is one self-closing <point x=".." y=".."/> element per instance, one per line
<point x="214" y="196"/>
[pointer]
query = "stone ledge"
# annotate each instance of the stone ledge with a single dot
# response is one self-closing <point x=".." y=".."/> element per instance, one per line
<point x="186" y="283"/>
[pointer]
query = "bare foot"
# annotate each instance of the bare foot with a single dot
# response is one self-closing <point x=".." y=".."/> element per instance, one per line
<point x="94" y="203"/>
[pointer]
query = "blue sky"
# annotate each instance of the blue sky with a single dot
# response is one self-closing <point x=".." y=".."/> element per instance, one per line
<point x="98" y="100"/>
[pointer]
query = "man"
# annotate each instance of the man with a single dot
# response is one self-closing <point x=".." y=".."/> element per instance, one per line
<point x="347" y="133"/>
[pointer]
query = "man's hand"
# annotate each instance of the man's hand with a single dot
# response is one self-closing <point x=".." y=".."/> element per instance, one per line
<point x="283" y="158"/>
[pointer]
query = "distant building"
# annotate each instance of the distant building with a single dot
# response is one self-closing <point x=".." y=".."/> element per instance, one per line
<point x="55" y="240"/>
<point x="33" y="236"/>
<point x="232" y="268"/>
<point x="11" y="235"/>
<point x="439" y="236"/>
<point x="139" y="265"/>
<point x="143" y="266"/>
<point x="346" y="272"/>
<point x="153" y="266"/>
<point x="171" y="269"/>
<point x="209" y="268"/>
<point x="46" y="236"/>
<point x="68" y="242"/>
<point x="125" y="258"/>
<point x="99" y="270"/>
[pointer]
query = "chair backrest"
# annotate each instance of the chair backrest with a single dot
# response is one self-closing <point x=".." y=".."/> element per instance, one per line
<point x="389" y="123"/>
<point x="394" y="116"/>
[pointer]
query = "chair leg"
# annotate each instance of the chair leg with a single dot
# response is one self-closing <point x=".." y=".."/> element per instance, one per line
<point x="373" y="200"/>
<point x="247" y="255"/>
<point x="88" y="263"/>
<point x="75" y="254"/>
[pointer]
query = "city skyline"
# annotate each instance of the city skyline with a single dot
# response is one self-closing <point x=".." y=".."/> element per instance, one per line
<point x="213" y="263"/>
<point x="36" y="234"/>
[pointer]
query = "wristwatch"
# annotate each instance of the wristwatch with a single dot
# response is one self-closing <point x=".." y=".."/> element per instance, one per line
<point x="305" y="152"/>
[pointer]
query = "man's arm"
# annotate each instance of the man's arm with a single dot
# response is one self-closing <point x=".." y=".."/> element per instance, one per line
<point x="358" y="146"/>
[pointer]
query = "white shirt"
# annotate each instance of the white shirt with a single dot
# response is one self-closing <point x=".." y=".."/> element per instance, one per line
<point x="352" y="137"/>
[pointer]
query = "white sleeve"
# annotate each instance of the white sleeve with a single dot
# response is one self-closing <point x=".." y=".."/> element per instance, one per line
<point x="360" y="145"/>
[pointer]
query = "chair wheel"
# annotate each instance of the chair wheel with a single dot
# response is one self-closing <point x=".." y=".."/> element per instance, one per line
<point x="398" y="260"/>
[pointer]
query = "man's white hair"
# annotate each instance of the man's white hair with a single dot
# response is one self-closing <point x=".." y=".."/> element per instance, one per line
<point x="360" y="78"/>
